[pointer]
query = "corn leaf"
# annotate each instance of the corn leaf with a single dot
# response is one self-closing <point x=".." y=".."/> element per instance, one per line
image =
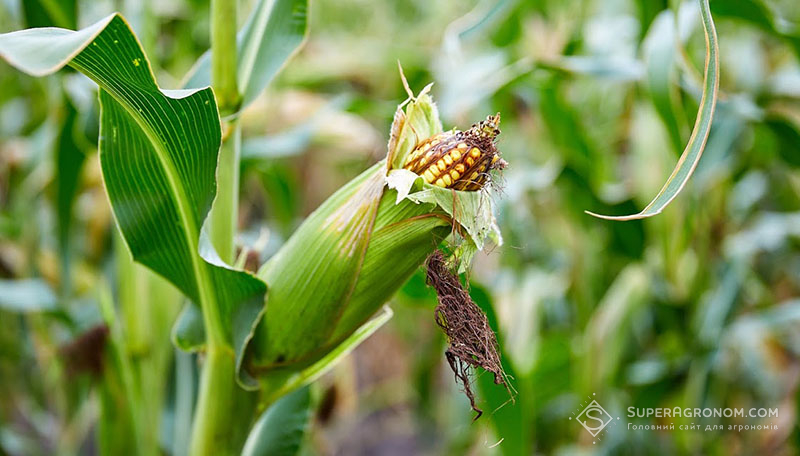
<point x="158" y="153"/>
<point x="188" y="333"/>
<point x="44" y="13"/>
<point x="281" y="428"/>
<point x="272" y="34"/>
<point x="702" y="127"/>
<point x="279" y="382"/>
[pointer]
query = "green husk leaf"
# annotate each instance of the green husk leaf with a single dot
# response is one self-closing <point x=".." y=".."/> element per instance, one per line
<point x="420" y="121"/>
<point x="472" y="210"/>
<point x="279" y="382"/>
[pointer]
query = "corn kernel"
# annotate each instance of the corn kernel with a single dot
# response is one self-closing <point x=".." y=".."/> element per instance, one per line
<point x="475" y="152"/>
<point x="428" y="176"/>
<point x="454" y="174"/>
<point x="447" y="160"/>
<point x="460" y="168"/>
<point x="447" y="180"/>
<point x="455" y="154"/>
<point x="439" y="183"/>
<point x="470" y="161"/>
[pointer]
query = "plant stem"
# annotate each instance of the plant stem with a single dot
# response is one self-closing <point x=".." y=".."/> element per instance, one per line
<point x="223" y="55"/>
<point x="224" y="214"/>
<point x="224" y="410"/>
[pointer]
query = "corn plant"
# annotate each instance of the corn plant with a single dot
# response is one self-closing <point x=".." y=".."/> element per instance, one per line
<point x="170" y="168"/>
<point x="170" y="164"/>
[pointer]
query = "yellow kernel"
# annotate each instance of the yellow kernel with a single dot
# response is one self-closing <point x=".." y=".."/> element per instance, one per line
<point x="495" y="158"/>
<point x="447" y="180"/>
<point x="428" y="176"/>
<point x="470" y="161"/>
<point x="475" y="152"/>
<point x="423" y="160"/>
<point x="441" y="164"/>
<point x="454" y="174"/>
<point x="439" y="183"/>
<point x="462" y="146"/>
<point x="460" y="167"/>
<point x="473" y="176"/>
<point x="456" y="154"/>
<point x="447" y="160"/>
<point x="434" y="169"/>
<point x="434" y="142"/>
<point x="426" y="147"/>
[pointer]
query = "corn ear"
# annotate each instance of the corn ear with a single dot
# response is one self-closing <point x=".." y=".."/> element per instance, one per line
<point x="351" y="255"/>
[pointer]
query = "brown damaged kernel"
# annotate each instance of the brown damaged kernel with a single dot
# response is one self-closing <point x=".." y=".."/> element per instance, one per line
<point x="460" y="160"/>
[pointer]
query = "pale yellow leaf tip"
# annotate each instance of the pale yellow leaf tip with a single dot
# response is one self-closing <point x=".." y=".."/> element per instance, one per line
<point x="620" y="218"/>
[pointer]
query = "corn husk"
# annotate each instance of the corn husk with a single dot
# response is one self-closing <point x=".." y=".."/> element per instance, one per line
<point x="352" y="254"/>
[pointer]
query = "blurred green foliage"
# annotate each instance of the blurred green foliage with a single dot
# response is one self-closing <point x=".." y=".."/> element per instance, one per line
<point x="697" y="307"/>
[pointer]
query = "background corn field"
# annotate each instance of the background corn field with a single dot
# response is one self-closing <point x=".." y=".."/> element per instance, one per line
<point x="696" y="307"/>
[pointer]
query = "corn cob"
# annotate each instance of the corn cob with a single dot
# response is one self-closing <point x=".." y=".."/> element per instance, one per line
<point x="460" y="160"/>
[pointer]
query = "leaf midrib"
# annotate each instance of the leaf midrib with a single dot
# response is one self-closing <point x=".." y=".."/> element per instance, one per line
<point x="208" y="301"/>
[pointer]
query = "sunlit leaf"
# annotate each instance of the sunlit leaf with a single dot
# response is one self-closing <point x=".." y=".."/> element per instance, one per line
<point x="158" y="152"/>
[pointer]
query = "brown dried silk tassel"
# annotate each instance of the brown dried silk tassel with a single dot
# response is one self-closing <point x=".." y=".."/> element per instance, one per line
<point x="472" y="341"/>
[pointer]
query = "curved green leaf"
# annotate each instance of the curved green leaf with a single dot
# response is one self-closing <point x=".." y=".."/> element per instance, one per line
<point x="273" y="33"/>
<point x="158" y="153"/>
<point x="694" y="149"/>
<point x="282" y="381"/>
<point x="188" y="332"/>
<point x="280" y="430"/>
